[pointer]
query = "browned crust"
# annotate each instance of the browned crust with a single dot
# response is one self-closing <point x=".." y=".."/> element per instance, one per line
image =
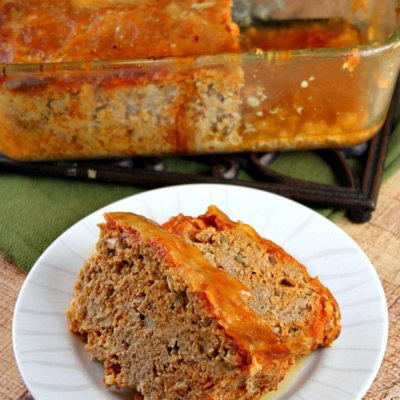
<point x="319" y="327"/>
<point x="163" y="320"/>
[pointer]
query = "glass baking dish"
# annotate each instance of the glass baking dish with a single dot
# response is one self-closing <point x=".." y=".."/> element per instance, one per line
<point x="260" y="100"/>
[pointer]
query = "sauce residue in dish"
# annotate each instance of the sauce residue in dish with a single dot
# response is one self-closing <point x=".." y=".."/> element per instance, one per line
<point x="295" y="35"/>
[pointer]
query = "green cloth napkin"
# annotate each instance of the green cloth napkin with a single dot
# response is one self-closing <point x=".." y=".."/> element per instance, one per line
<point x="35" y="210"/>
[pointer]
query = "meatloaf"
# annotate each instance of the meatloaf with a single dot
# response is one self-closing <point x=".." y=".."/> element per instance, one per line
<point x="297" y="306"/>
<point x="168" y="324"/>
<point x="82" y="98"/>
<point x="120" y="78"/>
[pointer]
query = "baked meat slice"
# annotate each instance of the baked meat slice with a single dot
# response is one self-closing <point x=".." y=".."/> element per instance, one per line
<point x="301" y="310"/>
<point x="167" y="323"/>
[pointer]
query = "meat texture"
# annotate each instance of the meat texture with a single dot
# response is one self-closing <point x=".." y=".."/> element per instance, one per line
<point x="301" y="310"/>
<point x="166" y="323"/>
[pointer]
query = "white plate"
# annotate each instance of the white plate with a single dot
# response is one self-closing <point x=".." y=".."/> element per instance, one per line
<point x="54" y="364"/>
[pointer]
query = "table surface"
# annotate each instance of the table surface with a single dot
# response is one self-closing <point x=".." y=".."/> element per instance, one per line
<point x="379" y="238"/>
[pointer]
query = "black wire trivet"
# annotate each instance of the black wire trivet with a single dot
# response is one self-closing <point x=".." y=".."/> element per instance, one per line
<point x="355" y="193"/>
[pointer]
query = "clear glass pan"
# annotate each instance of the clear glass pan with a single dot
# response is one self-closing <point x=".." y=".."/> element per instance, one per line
<point x="254" y="101"/>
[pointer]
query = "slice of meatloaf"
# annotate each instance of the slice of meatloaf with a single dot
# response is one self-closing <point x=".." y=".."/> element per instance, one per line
<point x="167" y="323"/>
<point x="298" y="307"/>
